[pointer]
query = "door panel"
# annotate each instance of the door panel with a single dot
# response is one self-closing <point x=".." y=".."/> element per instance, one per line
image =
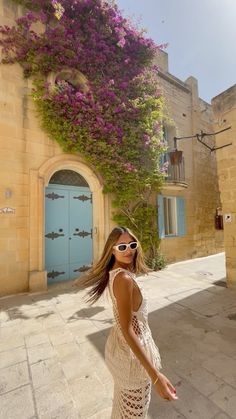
<point x="56" y="234"/>
<point x="68" y="232"/>
<point x="80" y="230"/>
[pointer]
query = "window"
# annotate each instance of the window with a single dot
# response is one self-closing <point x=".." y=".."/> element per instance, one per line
<point x="68" y="177"/>
<point x="170" y="223"/>
<point x="168" y="140"/>
<point x="171" y="216"/>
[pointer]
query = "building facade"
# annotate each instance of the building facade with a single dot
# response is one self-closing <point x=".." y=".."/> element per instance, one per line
<point x="54" y="217"/>
<point x="190" y="198"/>
<point x="224" y="106"/>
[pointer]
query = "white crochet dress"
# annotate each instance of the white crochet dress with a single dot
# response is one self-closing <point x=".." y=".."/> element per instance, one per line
<point x="132" y="385"/>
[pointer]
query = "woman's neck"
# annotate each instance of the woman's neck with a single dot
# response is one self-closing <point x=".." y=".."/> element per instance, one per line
<point x="123" y="266"/>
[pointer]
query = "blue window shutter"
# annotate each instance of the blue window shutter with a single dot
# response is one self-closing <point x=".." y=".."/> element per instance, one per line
<point x="161" y="225"/>
<point x="162" y="159"/>
<point x="181" y="224"/>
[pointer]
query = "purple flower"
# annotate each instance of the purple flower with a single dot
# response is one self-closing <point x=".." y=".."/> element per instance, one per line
<point x="121" y="42"/>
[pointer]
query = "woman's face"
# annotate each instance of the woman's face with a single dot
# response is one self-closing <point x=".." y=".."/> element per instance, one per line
<point x="126" y="257"/>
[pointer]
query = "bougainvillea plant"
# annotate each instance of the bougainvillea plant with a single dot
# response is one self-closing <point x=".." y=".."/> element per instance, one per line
<point x="113" y="115"/>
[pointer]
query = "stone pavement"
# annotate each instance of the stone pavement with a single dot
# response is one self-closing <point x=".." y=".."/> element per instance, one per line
<point x="51" y="348"/>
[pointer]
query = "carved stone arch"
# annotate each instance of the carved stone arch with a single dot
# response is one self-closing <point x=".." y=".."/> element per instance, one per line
<point x="72" y="76"/>
<point x="39" y="179"/>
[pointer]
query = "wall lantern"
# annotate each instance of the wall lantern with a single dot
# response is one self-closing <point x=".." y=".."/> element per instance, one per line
<point x="175" y="157"/>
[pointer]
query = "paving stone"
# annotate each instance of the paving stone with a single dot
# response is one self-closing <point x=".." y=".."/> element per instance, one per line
<point x="189" y="322"/>
<point x="103" y="414"/>
<point x="222" y="366"/>
<point x="221" y="416"/>
<point x="36" y="339"/>
<point x="89" y="395"/>
<point x="225" y="398"/>
<point x="41" y="352"/>
<point x="11" y="343"/>
<point x="205" y="382"/>
<point x="30" y="326"/>
<point x="57" y="335"/>
<point x="83" y="331"/>
<point x="13" y="377"/>
<point x="219" y="342"/>
<point x="52" y="399"/>
<point x="11" y="323"/>
<point x="46" y="371"/>
<point x="74" y="366"/>
<point x="65" y="349"/>
<point x="67" y="411"/>
<point x="192" y="404"/>
<point x="162" y="409"/>
<point x="51" y="320"/>
<point x="17" y="404"/>
<point x="4" y="317"/>
<point x="13" y="356"/>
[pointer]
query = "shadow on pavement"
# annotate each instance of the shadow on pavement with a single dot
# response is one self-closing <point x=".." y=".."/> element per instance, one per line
<point x="193" y="334"/>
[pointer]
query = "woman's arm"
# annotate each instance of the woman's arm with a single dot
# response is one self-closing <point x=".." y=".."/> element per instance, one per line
<point x="123" y="291"/>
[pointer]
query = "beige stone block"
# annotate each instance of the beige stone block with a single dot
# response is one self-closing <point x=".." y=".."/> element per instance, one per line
<point x="3" y="271"/>
<point x="4" y="222"/>
<point x="8" y="130"/>
<point x="10" y="167"/>
<point x="13" y="73"/>
<point x="52" y="398"/>
<point x="11" y="244"/>
<point x="8" y="233"/>
<point x="232" y="173"/>
<point x="18" y="403"/>
<point x="22" y="222"/>
<point x="39" y="149"/>
<point x="13" y="377"/>
<point x="21" y="190"/>
<point x="37" y="281"/>
<point x="3" y="243"/>
<point x="21" y="201"/>
<point x="16" y="267"/>
<point x="231" y="277"/>
<point x="23" y="244"/>
<point x="14" y="283"/>
<point x="23" y="211"/>
<point x="22" y="256"/>
<point x="21" y="179"/>
<point x="22" y="233"/>
<point x="36" y="136"/>
<point x="228" y="206"/>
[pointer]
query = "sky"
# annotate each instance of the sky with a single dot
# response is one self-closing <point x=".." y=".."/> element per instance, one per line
<point x="201" y="37"/>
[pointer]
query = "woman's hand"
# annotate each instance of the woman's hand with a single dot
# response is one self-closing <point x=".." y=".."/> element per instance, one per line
<point x="164" y="388"/>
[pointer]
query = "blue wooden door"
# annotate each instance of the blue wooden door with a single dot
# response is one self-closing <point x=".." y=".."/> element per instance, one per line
<point x="68" y="232"/>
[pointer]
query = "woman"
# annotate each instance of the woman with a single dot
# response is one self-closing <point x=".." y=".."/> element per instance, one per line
<point x="131" y="354"/>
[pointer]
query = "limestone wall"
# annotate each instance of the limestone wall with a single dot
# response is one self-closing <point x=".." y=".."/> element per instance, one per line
<point x="191" y="115"/>
<point x="28" y="159"/>
<point x="224" y="106"/>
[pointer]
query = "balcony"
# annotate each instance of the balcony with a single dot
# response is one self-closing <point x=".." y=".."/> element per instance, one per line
<point x="175" y="179"/>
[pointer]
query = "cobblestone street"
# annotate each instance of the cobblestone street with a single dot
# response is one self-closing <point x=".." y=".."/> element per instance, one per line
<point x="52" y="348"/>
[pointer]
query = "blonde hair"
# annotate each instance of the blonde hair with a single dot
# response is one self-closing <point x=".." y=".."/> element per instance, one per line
<point x="98" y="276"/>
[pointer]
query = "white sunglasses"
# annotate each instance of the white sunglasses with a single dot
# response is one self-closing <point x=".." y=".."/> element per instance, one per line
<point x="122" y="247"/>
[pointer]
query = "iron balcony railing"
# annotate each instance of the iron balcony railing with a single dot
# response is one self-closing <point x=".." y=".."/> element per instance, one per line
<point x="175" y="168"/>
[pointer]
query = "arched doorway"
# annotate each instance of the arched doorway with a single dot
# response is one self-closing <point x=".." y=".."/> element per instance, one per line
<point x="68" y="226"/>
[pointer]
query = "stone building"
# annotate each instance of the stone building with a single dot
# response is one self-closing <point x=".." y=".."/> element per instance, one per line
<point x="35" y="174"/>
<point x="224" y="106"/>
<point x="193" y="181"/>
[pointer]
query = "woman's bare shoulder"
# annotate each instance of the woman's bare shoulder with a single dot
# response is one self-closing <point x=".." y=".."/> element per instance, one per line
<point x="122" y="282"/>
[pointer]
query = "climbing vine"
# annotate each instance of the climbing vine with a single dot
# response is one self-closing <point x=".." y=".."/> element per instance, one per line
<point x="96" y="92"/>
